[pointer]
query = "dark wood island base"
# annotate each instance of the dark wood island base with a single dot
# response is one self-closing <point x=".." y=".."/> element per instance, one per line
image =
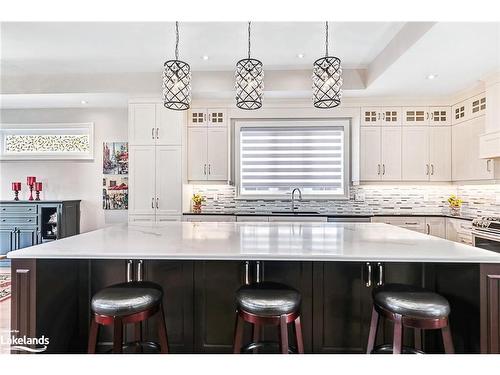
<point x="52" y="298"/>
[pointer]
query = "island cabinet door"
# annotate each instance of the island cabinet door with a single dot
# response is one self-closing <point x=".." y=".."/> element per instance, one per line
<point x="299" y="276"/>
<point x="341" y="307"/>
<point x="215" y="285"/>
<point x="176" y="279"/>
<point x="490" y="308"/>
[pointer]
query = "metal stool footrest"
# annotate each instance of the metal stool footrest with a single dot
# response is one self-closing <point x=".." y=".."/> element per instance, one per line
<point x="266" y="345"/>
<point x="387" y="349"/>
<point x="138" y="344"/>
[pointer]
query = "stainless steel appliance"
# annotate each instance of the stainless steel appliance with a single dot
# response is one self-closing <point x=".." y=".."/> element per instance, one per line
<point x="486" y="233"/>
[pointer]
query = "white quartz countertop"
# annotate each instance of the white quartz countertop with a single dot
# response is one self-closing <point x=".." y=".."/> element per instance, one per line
<point x="259" y="241"/>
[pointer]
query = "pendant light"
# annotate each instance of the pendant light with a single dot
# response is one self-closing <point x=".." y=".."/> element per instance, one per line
<point x="249" y="81"/>
<point x="176" y="80"/>
<point x="327" y="79"/>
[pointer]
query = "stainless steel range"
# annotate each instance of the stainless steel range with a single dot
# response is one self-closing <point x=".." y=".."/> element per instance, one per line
<point x="486" y="233"/>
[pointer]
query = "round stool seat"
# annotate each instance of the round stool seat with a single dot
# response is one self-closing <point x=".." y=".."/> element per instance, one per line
<point x="411" y="301"/>
<point x="268" y="299"/>
<point x="127" y="298"/>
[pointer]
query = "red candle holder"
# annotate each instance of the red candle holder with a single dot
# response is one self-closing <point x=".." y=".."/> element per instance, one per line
<point x="31" y="183"/>
<point x="16" y="188"/>
<point x="38" y="189"/>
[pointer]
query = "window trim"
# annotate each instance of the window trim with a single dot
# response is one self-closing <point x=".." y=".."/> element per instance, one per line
<point x="340" y="122"/>
<point x="46" y="127"/>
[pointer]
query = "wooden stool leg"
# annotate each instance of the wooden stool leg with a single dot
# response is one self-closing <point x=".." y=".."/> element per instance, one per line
<point x="447" y="340"/>
<point x="283" y="335"/>
<point x="162" y="332"/>
<point x="117" y="335"/>
<point x="373" y="331"/>
<point x="397" y="342"/>
<point x="256" y="335"/>
<point x="418" y="338"/>
<point x="94" y="330"/>
<point x="238" y="334"/>
<point x="298" y="336"/>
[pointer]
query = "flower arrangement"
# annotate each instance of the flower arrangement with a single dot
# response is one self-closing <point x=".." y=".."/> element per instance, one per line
<point x="455" y="204"/>
<point x="197" y="199"/>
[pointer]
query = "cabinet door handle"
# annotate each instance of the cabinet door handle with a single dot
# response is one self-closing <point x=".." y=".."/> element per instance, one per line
<point x="209" y="169"/>
<point x="407" y="223"/>
<point x="205" y="117"/>
<point x="380" y="274"/>
<point x="426" y="115"/>
<point x="383" y="169"/>
<point x="378" y="116"/>
<point x="488" y="165"/>
<point x="257" y="271"/>
<point x="369" y="276"/>
<point x="152" y="133"/>
<point x="130" y="276"/>
<point x="205" y="169"/>
<point x="383" y="115"/>
<point x="427" y="169"/>
<point x="152" y="203"/>
<point x="157" y="203"/>
<point x="378" y="169"/>
<point x="247" y="272"/>
<point x="432" y="169"/>
<point x="157" y="133"/>
<point x="428" y="228"/>
<point x="140" y="270"/>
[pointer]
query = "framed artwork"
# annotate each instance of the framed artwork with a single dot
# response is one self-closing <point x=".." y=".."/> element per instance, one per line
<point x="115" y="193"/>
<point x="115" y="158"/>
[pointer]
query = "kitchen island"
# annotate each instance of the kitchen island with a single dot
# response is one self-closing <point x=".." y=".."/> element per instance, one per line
<point x="200" y="265"/>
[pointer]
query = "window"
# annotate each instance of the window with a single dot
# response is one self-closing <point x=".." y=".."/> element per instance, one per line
<point x="46" y="141"/>
<point x="272" y="158"/>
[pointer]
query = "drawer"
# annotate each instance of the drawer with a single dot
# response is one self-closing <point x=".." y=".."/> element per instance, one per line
<point x="18" y="220"/>
<point x="9" y="209"/>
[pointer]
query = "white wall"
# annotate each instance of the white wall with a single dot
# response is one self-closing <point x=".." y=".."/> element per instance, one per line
<point x="69" y="179"/>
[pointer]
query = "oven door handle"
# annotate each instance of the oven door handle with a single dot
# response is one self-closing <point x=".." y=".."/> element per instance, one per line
<point x="486" y="236"/>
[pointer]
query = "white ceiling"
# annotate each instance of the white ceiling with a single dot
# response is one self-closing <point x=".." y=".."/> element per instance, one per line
<point x="54" y="48"/>
<point x="399" y="56"/>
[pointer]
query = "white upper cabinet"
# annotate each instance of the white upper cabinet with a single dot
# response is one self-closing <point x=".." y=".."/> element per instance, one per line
<point x="197" y="154"/>
<point x="469" y="109"/>
<point x="380" y="154"/>
<point x="466" y="164"/>
<point x="415" y="160"/>
<point x="391" y="154"/>
<point x="207" y="117"/>
<point x="169" y="125"/>
<point x="460" y="112"/>
<point x="415" y="116"/>
<point x="142" y="179"/>
<point x="478" y="105"/>
<point x="440" y="154"/>
<point x="142" y="124"/>
<point x="370" y="141"/>
<point x="168" y="180"/>
<point x="376" y="116"/>
<point x="152" y="123"/>
<point x="217" y="154"/>
<point x="439" y="116"/>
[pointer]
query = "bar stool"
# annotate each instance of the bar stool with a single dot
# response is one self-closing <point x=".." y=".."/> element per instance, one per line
<point x="413" y="307"/>
<point x="124" y="303"/>
<point x="268" y="303"/>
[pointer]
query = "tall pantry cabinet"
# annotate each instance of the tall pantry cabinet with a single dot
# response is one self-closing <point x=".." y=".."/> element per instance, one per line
<point x="155" y="157"/>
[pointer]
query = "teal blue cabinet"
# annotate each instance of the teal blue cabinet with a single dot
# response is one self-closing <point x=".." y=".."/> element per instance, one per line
<point x="28" y="223"/>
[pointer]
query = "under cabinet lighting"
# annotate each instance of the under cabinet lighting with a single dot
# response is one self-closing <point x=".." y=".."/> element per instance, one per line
<point x="205" y="57"/>
<point x="432" y="76"/>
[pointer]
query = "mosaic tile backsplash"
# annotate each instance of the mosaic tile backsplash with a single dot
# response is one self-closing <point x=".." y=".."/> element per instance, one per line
<point x="479" y="200"/>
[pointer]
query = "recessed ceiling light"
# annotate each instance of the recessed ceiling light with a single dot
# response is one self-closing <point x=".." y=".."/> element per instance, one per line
<point x="204" y="57"/>
<point x="432" y="76"/>
<point x="300" y="55"/>
<point x="83" y="102"/>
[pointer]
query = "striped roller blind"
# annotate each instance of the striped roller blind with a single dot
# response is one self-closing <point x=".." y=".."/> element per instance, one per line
<point x="274" y="160"/>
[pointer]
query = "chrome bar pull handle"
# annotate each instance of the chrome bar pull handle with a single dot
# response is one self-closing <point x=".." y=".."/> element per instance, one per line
<point x="428" y="228"/>
<point x="427" y="169"/>
<point x="209" y="169"/>
<point x="130" y="272"/>
<point x="140" y="270"/>
<point x="157" y="202"/>
<point x="383" y="169"/>
<point x="247" y="272"/>
<point x="152" y="203"/>
<point x="378" y="169"/>
<point x="205" y="169"/>
<point x="369" y="276"/>
<point x="152" y="133"/>
<point x="380" y="274"/>
<point x="157" y="133"/>
<point x="432" y="169"/>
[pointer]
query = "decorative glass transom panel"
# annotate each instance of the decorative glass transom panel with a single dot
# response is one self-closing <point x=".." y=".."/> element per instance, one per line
<point x="390" y="116"/>
<point x="46" y="141"/>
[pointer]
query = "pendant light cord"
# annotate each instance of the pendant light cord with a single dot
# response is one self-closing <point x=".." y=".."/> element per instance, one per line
<point x="249" y="34"/>
<point x="177" y="40"/>
<point x="326" y="39"/>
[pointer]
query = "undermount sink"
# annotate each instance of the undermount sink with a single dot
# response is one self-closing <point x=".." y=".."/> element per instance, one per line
<point x="295" y="212"/>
